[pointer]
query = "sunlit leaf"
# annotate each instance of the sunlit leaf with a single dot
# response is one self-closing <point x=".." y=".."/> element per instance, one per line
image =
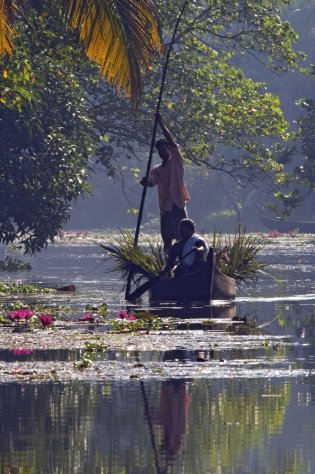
<point x="10" y="11"/>
<point x="120" y="36"/>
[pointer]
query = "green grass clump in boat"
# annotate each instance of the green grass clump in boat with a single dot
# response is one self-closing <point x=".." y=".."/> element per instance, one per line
<point x="237" y="257"/>
<point x="145" y="261"/>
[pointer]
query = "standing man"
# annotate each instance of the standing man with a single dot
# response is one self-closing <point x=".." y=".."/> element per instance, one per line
<point x="169" y="178"/>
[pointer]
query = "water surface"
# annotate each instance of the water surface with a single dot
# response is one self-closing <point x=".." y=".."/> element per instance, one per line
<point x="237" y="398"/>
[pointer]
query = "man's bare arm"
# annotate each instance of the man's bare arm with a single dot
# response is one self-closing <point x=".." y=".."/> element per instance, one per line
<point x="165" y="130"/>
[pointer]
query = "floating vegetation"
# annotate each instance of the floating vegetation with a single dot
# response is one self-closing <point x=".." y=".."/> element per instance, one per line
<point x="25" y="288"/>
<point x="10" y="264"/>
<point x="101" y="310"/>
<point x="38" y="308"/>
<point x="92" y="351"/>
<point x="83" y="363"/>
<point x="139" y="321"/>
<point x="95" y="346"/>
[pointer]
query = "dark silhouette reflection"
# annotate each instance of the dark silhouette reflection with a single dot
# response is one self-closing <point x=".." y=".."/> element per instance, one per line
<point x="168" y="310"/>
<point x="174" y="405"/>
<point x="188" y="355"/>
<point x="172" y="418"/>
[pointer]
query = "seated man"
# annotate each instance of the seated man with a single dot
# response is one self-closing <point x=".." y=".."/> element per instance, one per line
<point x="190" y="252"/>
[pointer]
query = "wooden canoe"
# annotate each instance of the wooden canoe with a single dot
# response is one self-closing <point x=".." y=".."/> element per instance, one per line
<point x="203" y="286"/>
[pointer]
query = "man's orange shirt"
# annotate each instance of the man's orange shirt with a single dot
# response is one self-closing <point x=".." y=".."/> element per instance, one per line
<point x="170" y="181"/>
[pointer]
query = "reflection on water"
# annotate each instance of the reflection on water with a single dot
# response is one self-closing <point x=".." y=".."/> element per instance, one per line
<point x="229" y="415"/>
<point x="229" y="426"/>
<point x="23" y="355"/>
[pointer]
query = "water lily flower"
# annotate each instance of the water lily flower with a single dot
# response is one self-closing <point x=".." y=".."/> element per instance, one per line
<point x="46" y="320"/>
<point x="20" y="314"/>
<point x="87" y="317"/>
<point x="126" y="316"/>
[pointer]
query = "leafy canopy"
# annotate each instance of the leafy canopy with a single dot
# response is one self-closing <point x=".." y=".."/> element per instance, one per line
<point x="299" y="182"/>
<point x="220" y="117"/>
<point x="121" y="36"/>
<point x="46" y="136"/>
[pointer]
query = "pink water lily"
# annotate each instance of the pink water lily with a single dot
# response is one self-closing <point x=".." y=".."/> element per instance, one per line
<point x="21" y="314"/>
<point x="46" y="320"/>
<point x="126" y="316"/>
<point x="87" y="317"/>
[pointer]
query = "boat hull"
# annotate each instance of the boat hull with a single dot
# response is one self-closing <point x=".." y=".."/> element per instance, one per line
<point x="204" y="286"/>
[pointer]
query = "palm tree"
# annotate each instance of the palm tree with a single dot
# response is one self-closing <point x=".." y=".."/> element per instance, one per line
<point x="121" y="36"/>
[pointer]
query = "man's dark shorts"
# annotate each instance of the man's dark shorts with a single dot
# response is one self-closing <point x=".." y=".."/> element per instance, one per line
<point x="170" y="223"/>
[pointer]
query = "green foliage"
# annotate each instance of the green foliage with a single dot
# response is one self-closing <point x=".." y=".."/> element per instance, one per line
<point x="22" y="288"/>
<point x="145" y="322"/>
<point x="237" y="256"/>
<point x="220" y="117"/>
<point x="102" y="309"/>
<point x="45" y="134"/>
<point x="94" y="347"/>
<point x="83" y="364"/>
<point x="300" y="182"/>
<point x="146" y="262"/>
<point x="16" y="81"/>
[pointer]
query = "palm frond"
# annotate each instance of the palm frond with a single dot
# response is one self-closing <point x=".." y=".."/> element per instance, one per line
<point x="120" y="36"/>
<point x="10" y="13"/>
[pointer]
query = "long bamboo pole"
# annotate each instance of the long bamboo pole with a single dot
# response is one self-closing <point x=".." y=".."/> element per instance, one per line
<point x="144" y="191"/>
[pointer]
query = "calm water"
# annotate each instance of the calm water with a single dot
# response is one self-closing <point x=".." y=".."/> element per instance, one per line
<point x="235" y="407"/>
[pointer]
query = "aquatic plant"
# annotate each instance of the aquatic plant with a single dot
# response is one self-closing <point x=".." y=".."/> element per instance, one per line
<point x="83" y="364"/>
<point x="87" y="317"/>
<point x="274" y="234"/>
<point x="95" y="347"/>
<point x="45" y="319"/>
<point x="22" y="288"/>
<point x="141" y="321"/>
<point x="237" y="257"/>
<point x="129" y="258"/>
<point x="20" y="314"/>
<point x="126" y="316"/>
<point x="102" y="309"/>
